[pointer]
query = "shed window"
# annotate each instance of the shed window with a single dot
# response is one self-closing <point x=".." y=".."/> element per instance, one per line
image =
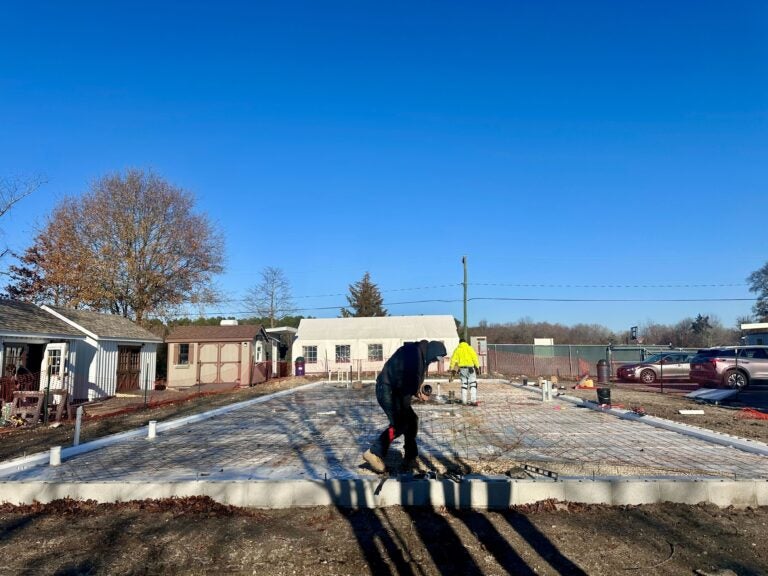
<point x="342" y="352"/>
<point x="183" y="356"/>
<point x="310" y="354"/>
<point x="13" y="357"/>
<point x="375" y="352"/>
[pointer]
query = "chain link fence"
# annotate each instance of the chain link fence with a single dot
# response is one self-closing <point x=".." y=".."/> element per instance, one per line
<point x="564" y="361"/>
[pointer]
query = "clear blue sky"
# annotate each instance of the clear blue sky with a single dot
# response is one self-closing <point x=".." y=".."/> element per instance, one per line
<point x="553" y="143"/>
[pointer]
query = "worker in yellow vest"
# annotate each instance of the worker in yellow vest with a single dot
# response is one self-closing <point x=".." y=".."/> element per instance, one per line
<point x="464" y="359"/>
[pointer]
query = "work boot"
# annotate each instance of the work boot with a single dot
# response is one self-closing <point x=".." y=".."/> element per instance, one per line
<point x="409" y="464"/>
<point x="374" y="461"/>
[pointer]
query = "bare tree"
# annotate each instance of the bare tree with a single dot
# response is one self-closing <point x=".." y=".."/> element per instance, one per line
<point x="271" y="297"/>
<point x="12" y="190"/>
<point x="131" y="245"/>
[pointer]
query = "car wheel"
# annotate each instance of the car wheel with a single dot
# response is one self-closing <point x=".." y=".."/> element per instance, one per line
<point x="647" y="376"/>
<point x="735" y="379"/>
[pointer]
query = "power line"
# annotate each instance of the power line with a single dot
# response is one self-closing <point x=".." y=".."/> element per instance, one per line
<point x="496" y="298"/>
<point x="671" y="285"/>
<point x="457" y="284"/>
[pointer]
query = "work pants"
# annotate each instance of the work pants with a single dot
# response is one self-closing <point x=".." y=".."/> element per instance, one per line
<point x="468" y="377"/>
<point x="402" y="421"/>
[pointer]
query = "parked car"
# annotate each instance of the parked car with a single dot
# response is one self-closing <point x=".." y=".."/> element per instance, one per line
<point x="730" y="366"/>
<point x="669" y="365"/>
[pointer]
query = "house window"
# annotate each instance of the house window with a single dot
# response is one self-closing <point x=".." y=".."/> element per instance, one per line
<point x="183" y="357"/>
<point x="342" y="353"/>
<point x="310" y="354"/>
<point x="375" y="352"/>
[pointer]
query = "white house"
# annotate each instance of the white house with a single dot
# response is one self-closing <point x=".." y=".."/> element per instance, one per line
<point x="364" y="344"/>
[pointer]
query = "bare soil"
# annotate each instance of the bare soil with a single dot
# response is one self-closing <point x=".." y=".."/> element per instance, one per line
<point x="199" y="536"/>
<point x="734" y="421"/>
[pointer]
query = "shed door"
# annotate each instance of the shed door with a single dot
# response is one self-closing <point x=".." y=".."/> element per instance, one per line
<point x="53" y="367"/>
<point x="219" y="363"/>
<point x="128" y="368"/>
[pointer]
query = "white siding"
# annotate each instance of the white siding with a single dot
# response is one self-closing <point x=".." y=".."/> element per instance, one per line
<point x="81" y="355"/>
<point x="148" y="366"/>
<point x="389" y="331"/>
<point x="104" y="382"/>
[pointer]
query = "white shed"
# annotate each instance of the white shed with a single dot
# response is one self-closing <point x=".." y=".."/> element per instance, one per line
<point x="115" y="356"/>
<point x="364" y="344"/>
<point x="91" y="355"/>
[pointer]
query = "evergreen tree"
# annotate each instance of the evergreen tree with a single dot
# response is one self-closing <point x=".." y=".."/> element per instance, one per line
<point x="364" y="300"/>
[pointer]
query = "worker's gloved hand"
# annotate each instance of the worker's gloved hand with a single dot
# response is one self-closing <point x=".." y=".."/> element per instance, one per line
<point x="477" y="370"/>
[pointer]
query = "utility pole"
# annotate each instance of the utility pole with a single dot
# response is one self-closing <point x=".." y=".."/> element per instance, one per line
<point x="464" y="262"/>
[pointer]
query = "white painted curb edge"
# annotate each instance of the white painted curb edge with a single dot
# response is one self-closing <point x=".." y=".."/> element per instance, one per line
<point x="376" y="493"/>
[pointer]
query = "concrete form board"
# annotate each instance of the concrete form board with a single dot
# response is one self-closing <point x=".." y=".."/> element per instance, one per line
<point x="474" y="494"/>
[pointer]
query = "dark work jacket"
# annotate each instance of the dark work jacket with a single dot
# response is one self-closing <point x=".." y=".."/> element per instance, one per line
<point x="405" y="371"/>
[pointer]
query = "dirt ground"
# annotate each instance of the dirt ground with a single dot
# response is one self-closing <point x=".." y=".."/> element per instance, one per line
<point x="728" y="420"/>
<point x="199" y="536"/>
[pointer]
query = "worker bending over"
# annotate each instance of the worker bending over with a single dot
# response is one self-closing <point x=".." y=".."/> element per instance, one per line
<point x="402" y="379"/>
<point x="464" y="359"/>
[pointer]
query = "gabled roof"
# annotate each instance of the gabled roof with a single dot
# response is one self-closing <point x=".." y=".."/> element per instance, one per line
<point x="24" y="319"/>
<point x="240" y="333"/>
<point x="104" y="326"/>
<point x="399" y="327"/>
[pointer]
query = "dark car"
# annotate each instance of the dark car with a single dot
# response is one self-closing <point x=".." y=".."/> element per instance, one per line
<point x="668" y="365"/>
<point x="730" y="366"/>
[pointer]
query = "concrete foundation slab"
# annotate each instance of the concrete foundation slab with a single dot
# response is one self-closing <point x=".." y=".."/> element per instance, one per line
<point x="303" y="447"/>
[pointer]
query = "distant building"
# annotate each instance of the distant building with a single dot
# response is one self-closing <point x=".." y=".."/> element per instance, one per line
<point x="331" y="344"/>
<point x="755" y="333"/>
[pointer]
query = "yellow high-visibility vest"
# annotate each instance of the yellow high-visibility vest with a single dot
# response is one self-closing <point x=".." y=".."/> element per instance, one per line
<point x="464" y="356"/>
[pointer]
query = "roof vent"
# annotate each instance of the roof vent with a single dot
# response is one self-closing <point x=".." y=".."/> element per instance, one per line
<point x="228" y="322"/>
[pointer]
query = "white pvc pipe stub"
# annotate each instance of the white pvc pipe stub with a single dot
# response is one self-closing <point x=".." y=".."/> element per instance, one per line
<point x="55" y="459"/>
<point x="152" y="431"/>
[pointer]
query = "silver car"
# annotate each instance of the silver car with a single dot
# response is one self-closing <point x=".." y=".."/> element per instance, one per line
<point x="666" y="365"/>
<point x="730" y="366"/>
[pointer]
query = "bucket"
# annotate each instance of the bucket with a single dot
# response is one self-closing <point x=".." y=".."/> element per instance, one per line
<point x="603" y="395"/>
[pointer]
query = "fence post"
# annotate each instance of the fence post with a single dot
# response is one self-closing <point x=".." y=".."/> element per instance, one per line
<point x="146" y="384"/>
<point x="78" y="420"/>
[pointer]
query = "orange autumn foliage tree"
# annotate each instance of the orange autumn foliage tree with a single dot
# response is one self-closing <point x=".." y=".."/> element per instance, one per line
<point x="131" y="245"/>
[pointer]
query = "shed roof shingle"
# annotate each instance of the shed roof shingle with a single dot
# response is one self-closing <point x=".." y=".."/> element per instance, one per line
<point x="107" y="326"/>
<point x="28" y="319"/>
<point x="214" y="333"/>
